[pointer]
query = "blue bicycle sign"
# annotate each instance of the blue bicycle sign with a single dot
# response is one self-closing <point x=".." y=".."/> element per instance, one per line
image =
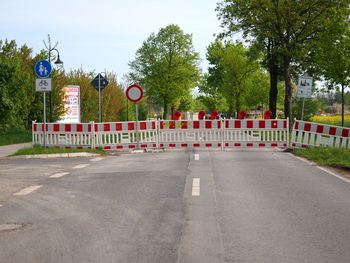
<point x="43" y="68"/>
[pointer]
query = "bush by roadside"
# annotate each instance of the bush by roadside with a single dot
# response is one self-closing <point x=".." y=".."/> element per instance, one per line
<point x="15" y="136"/>
<point x="336" y="157"/>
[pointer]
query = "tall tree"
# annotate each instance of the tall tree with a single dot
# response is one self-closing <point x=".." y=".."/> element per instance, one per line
<point x="166" y="66"/>
<point x="229" y="70"/>
<point x="292" y="25"/>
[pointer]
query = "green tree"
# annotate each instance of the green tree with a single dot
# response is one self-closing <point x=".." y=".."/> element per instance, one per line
<point x="166" y="66"/>
<point x="229" y="70"/>
<point x="293" y="26"/>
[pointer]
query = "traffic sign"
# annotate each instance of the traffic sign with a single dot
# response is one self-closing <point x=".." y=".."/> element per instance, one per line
<point x="99" y="81"/>
<point x="42" y="85"/>
<point x="304" y="87"/>
<point x="43" y="68"/>
<point x="134" y="93"/>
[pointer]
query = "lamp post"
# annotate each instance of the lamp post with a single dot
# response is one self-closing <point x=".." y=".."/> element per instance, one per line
<point x="57" y="62"/>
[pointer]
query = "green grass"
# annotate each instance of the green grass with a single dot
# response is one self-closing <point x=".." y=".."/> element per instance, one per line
<point x="41" y="150"/>
<point x="337" y="157"/>
<point x="15" y="136"/>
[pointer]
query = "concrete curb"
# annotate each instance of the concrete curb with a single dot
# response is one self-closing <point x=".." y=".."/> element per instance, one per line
<point x="55" y="155"/>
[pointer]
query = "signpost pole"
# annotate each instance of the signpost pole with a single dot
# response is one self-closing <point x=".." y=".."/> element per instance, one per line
<point x="302" y="109"/>
<point x="44" y="98"/>
<point x="99" y="99"/>
<point x="137" y="127"/>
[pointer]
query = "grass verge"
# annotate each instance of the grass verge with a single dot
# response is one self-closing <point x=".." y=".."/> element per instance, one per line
<point x="336" y="157"/>
<point x="15" y="136"/>
<point x="37" y="149"/>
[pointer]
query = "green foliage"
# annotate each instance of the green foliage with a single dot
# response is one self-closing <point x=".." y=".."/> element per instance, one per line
<point x="166" y="66"/>
<point x="13" y="136"/>
<point x="311" y="107"/>
<point x="338" y="157"/>
<point x="37" y="149"/>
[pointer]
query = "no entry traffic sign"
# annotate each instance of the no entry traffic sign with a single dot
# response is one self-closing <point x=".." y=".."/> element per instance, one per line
<point x="134" y="93"/>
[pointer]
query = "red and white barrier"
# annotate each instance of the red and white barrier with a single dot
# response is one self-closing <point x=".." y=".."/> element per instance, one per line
<point x="165" y="134"/>
<point x="316" y="134"/>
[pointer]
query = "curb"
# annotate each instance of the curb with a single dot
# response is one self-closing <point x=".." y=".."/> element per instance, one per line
<point x="54" y="155"/>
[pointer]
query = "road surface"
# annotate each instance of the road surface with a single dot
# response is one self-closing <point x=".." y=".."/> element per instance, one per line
<point x="239" y="206"/>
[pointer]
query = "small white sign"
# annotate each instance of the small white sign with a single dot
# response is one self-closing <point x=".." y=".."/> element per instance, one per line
<point x="42" y="85"/>
<point x="304" y="87"/>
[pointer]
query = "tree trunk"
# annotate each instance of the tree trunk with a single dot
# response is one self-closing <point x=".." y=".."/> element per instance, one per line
<point x="273" y="67"/>
<point x="289" y="90"/>
<point x="342" y="105"/>
<point x="165" y="114"/>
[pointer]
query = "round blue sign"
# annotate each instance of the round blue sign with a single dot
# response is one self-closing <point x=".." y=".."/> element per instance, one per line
<point x="43" y="68"/>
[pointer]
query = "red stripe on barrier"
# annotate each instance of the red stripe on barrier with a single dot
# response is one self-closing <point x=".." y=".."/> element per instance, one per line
<point x="284" y="145"/>
<point x="236" y="144"/>
<point x="89" y="127"/>
<point x="184" y="125"/>
<point x="131" y="127"/>
<point x="208" y="124"/>
<point x="196" y="125"/>
<point x="296" y="125"/>
<point x="35" y="127"/>
<point x="56" y="127"/>
<point x="119" y="146"/>
<point x="172" y="125"/>
<point x="161" y="145"/>
<point x="67" y="127"/>
<point x="261" y="124"/>
<point x="285" y="124"/>
<point x="96" y="127"/>
<point x="237" y="124"/>
<point x="79" y="147"/>
<point x="332" y="131"/>
<point x="274" y="144"/>
<point x="219" y="124"/>
<point x="208" y="145"/>
<point x="226" y="144"/>
<point x="274" y="124"/>
<point x="196" y="145"/>
<point x="118" y="126"/>
<point x="143" y="126"/>
<point x="345" y="133"/>
<point x="184" y="145"/>
<point x="219" y="144"/>
<point x="68" y="147"/>
<point x="153" y="125"/>
<point x="161" y="125"/>
<point x="79" y="127"/>
<point x="304" y="146"/>
<point x="172" y="145"/>
<point x="107" y="147"/>
<point x="294" y="144"/>
<point x="250" y="145"/>
<point x="132" y="146"/>
<point x="226" y="124"/>
<point x="261" y="144"/>
<point x="249" y="124"/>
<point x="154" y="145"/>
<point x="143" y="145"/>
<point x="307" y="126"/>
<point x="106" y="127"/>
<point x="319" y="129"/>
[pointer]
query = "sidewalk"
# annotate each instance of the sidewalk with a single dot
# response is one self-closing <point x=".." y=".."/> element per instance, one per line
<point x="12" y="148"/>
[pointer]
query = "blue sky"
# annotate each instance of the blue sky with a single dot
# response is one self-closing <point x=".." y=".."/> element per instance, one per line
<point x="105" y="34"/>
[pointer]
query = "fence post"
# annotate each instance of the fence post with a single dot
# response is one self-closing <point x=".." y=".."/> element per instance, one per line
<point x="92" y="123"/>
<point x="222" y="134"/>
<point x="158" y="133"/>
<point x="33" y="136"/>
<point x="288" y="132"/>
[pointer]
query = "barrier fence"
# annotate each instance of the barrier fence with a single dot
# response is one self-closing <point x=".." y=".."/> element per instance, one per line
<point x="307" y="134"/>
<point x="156" y="134"/>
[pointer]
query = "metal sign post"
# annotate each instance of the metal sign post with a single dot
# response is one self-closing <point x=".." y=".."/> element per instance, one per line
<point x="304" y="91"/>
<point x="42" y="70"/>
<point x="99" y="99"/>
<point x="99" y="83"/>
<point x="134" y="93"/>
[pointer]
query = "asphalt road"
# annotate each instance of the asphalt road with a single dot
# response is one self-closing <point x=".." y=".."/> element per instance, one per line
<point x="256" y="206"/>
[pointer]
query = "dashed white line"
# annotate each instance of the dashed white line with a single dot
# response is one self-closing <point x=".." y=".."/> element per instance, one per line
<point x="58" y="175"/>
<point x="196" y="187"/>
<point x="80" y="166"/>
<point x="28" y="190"/>
<point x="196" y="156"/>
<point x="97" y="159"/>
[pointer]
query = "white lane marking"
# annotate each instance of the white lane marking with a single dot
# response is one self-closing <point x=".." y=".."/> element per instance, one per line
<point x="58" y="175"/>
<point x="196" y="187"/>
<point x="79" y="166"/>
<point x="196" y="156"/>
<point x="321" y="168"/>
<point x="28" y="190"/>
<point x="97" y="159"/>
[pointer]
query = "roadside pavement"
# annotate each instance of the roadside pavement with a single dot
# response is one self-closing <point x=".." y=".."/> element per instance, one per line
<point x="12" y="148"/>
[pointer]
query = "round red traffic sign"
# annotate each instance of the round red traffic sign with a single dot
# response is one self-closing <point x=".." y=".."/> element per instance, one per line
<point x="134" y="93"/>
